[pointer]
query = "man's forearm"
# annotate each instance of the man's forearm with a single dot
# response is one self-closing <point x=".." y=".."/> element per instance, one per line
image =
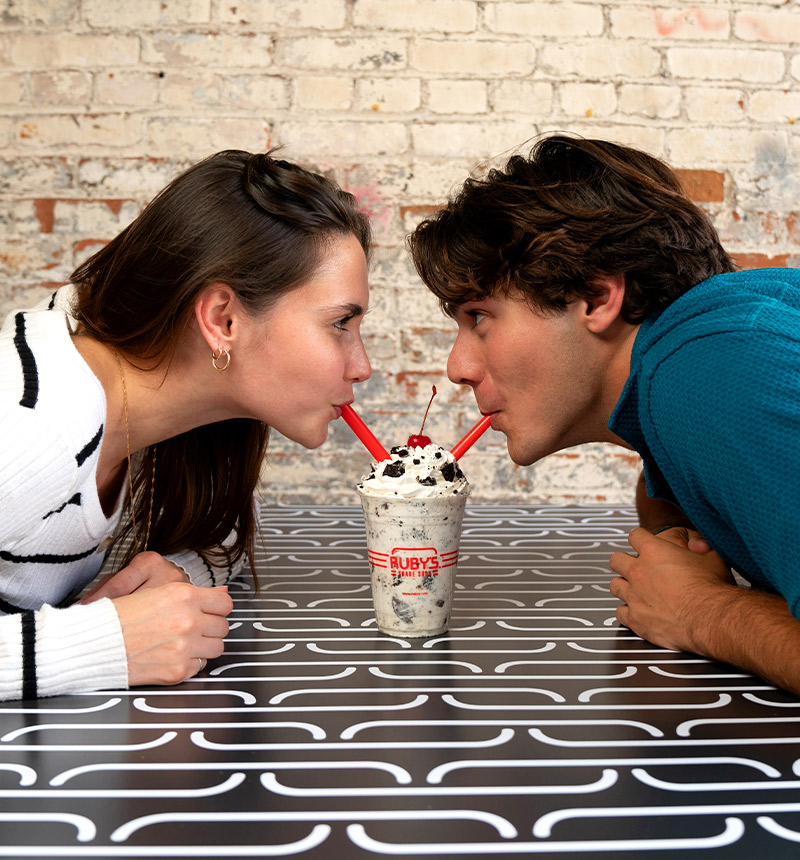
<point x="751" y="629"/>
<point x="656" y="513"/>
<point x="685" y="600"/>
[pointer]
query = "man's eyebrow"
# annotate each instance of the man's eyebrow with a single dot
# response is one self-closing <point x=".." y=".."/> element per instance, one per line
<point x="452" y="308"/>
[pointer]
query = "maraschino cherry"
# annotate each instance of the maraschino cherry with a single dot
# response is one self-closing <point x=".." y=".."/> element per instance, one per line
<point x="420" y="441"/>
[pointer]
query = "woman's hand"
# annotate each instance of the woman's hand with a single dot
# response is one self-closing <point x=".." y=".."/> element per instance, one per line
<point x="171" y="630"/>
<point x="146" y="570"/>
<point x="668" y="588"/>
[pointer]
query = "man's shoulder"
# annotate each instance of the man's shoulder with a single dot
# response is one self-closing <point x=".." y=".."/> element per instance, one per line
<point x="727" y="305"/>
<point x="733" y="290"/>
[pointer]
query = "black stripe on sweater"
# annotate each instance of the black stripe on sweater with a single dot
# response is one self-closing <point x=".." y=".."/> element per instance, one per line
<point x="75" y="500"/>
<point x="29" y="684"/>
<point x="30" y="375"/>
<point x="45" y="558"/>
<point x="210" y="570"/>
<point x="9" y="608"/>
<point x="87" y="449"/>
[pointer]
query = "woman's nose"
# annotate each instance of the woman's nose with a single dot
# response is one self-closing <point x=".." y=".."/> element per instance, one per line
<point x="359" y="367"/>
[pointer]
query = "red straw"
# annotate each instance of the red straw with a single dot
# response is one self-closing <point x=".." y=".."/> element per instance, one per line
<point x="461" y="447"/>
<point x="364" y="433"/>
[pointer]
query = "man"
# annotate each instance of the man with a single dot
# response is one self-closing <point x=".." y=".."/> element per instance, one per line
<point x="595" y="302"/>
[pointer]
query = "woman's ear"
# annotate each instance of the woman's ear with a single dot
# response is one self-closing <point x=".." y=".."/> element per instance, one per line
<point x="604" y="309"/>
<point x="216" y="311"/>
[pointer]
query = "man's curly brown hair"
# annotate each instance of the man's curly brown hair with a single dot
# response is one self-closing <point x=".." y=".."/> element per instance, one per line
<point x="550" y="224"/>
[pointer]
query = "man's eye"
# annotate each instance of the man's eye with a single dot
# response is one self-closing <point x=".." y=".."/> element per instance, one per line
<point x="477" y="316"/>
<point x="342" y="323"/>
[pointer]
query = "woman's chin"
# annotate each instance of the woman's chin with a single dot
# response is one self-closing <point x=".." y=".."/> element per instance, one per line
<point x="312" y="439"/>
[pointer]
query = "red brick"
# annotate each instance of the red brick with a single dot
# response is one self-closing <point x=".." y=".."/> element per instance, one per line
<point x="44" y="207"/>
<point x="411" y="381"/>
<point x="45" y="214"/>
<point x="418" y="210"/>
<point x="89" y="243"/>
<point x="703" y="186"/>
<point x="762" y="261"/>
<point x="793" y="227"/>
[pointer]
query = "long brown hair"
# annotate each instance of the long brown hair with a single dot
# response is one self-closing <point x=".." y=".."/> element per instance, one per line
<point x="259" y="225"/>
<point x="548" y="225"/>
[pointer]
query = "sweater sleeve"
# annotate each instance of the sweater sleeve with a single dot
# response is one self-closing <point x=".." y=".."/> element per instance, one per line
<point x="51" y="651"/>
<point x="200" y="572"/>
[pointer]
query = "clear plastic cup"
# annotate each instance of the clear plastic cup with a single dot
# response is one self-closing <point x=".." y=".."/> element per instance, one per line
<point x="413" y="549"/>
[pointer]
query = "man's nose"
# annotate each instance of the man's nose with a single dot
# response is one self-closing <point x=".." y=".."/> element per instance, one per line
<point x="463" y="367"/>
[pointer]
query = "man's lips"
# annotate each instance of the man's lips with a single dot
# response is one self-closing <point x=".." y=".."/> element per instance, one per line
<point x="493" y="413"/>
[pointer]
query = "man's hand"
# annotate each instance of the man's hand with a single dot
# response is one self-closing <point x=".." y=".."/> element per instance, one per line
<point x="171" y="630"/>
<point x="685" y="537"/>
<point x="667" y="589"/>
<point x="146" y="570"/>
<point x="679" y="594"/>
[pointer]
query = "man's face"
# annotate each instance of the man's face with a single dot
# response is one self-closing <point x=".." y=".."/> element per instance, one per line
<point x="541" y="376"/>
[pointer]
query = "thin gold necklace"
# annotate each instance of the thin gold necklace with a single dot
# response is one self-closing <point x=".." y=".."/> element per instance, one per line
<point x="130" y="473"/>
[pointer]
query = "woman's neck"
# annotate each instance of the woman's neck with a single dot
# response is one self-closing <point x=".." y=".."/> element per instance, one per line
<point x="144" y="406"/>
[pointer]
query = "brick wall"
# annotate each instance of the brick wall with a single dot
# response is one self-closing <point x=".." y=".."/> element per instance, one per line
<point x="103" y="102"/>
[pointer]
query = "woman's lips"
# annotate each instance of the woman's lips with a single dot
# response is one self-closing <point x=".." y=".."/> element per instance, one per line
<point x="337" y="407"/>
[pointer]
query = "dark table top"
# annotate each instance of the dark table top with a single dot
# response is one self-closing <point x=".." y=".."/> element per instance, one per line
<point x="537" y="726"/>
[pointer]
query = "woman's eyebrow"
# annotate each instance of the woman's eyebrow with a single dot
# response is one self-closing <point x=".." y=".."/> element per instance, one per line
<point x="352" y="309"/>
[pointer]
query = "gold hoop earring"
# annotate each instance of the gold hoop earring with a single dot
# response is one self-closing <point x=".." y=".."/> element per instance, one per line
<point x="222" y="354"/>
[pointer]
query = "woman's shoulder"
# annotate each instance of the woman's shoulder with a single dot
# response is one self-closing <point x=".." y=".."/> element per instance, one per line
<point x="36" y="352"/>
<point x="40" y="398"/>
<point x="35" y="468"/>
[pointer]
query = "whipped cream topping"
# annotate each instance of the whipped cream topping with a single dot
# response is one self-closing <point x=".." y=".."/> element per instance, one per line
<point x="416" y="473"/>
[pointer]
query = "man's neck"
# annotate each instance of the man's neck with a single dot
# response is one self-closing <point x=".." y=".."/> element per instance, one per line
<point x="618" y="371"/>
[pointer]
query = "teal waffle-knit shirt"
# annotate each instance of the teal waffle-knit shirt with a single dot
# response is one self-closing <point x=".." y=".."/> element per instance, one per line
<point x="712" y="404"/>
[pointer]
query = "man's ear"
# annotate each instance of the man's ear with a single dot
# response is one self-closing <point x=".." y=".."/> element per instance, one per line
<point x="216" y="311"/>
<point x="604" y="309"/>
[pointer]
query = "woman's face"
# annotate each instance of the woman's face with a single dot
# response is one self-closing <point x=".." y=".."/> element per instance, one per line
<point x="298" y="361"/>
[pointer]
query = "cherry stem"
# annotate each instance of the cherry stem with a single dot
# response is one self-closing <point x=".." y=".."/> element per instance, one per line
<point x="425" y="416"/>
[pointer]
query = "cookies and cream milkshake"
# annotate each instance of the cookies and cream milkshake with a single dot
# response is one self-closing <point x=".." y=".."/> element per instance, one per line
<point x="413" y="508"/>
<point x="416" y="473"/>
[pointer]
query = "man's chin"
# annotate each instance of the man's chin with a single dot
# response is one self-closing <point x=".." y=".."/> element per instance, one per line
<point x="528" y="454"/>
<point x="521" y="458"/>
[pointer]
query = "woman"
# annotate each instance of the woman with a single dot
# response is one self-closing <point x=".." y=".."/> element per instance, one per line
<point x="135" y="403"/>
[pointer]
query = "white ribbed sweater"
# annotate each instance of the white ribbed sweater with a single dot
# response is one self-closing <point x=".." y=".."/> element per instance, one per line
<point x="53" y="532"/>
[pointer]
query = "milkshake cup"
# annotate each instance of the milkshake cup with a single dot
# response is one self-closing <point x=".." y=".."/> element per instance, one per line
<point x="412" y="517"/>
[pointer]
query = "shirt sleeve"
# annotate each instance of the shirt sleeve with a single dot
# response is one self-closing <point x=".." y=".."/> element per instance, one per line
<point x="725" y="413"/>
<point x="50" y="652"/>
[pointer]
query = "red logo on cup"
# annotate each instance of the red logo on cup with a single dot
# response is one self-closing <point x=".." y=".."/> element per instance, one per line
<point x="414" y="561"/>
